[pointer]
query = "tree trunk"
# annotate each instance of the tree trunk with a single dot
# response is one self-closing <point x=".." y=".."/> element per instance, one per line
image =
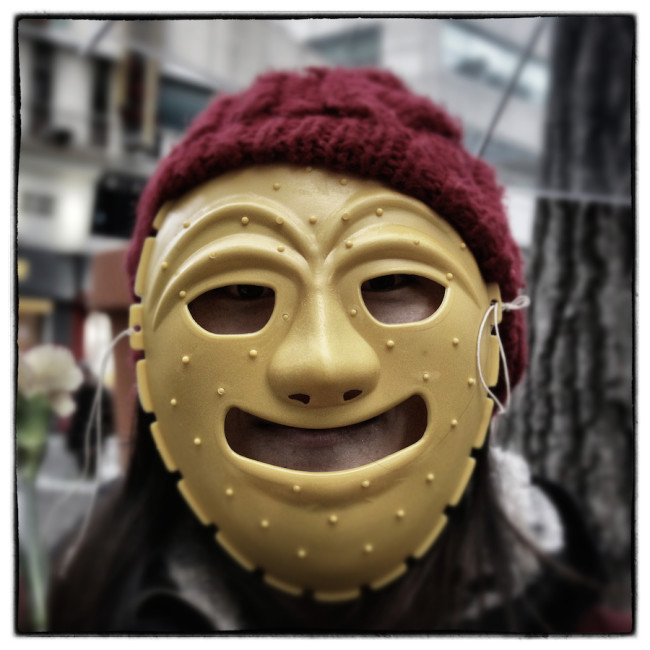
<point x="573" y="416"/>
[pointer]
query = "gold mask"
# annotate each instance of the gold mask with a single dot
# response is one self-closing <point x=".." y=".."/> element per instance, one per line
<point x="311" y="346"/>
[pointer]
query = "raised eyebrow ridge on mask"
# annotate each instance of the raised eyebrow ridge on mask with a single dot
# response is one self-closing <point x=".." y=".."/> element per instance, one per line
<point x="371" y="245"/>
<point x="263" y="213"/>
<point x="232" y="258"/>
<point x="365" y="204"/>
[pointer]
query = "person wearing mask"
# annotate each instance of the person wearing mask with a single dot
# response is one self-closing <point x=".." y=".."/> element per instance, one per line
<point x="327" y="310"/>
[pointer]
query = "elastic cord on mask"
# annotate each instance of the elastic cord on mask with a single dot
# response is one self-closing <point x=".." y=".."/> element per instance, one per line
<point x="95" y="413"/>
<point x="520" y="302"/>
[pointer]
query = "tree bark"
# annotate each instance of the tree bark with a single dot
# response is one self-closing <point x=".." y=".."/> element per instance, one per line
<point x="573" y="415"/>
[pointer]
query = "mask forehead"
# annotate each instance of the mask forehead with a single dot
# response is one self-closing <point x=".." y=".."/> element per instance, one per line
<point x="314" y="238"/>
<point x="320" y="205"/>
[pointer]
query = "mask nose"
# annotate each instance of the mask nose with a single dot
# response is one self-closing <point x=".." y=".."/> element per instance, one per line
<point x="323" y="361"/>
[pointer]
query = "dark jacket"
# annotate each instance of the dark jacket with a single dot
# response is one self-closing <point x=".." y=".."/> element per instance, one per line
<point x="189" y="586"/>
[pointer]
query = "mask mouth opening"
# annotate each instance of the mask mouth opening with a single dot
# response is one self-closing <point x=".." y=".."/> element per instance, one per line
<point x="327" y="450"/>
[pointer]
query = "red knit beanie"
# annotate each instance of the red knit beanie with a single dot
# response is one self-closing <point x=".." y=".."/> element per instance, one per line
<point x="362" y="121"/>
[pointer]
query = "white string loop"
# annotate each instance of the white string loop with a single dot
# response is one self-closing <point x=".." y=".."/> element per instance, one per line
<point x="520" y="302"/>
<point x="95" y="411"/>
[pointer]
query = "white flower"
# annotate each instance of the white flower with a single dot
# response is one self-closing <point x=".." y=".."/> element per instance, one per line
<point x="51" y="371"/>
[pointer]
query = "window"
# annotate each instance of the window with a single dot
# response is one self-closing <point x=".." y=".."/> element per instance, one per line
<point x="116" y="197"/>
<point x="480" y="56"/>
<point x="99" y="102"/>
<point x="179" y="102"/>
<point x="37" y="203"/>
<point x="356" y="47"/>
<point x="41" y="77"/>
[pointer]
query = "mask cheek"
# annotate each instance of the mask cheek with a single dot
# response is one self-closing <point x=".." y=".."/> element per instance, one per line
<point x="438" y="362"/>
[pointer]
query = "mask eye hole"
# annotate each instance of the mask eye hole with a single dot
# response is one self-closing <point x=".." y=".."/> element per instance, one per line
<point x="401" y="298"/>
<point x="234" y="309"/>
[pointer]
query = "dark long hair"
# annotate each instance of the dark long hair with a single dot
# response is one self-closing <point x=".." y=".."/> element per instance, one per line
<point x="125" y="521"/>
<point x="141" y="513"/>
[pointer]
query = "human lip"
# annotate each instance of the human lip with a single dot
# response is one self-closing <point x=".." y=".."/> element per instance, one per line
<point x="326" y="449"/>
<point x="318" y="436"/>
<point x="304" y="437"/>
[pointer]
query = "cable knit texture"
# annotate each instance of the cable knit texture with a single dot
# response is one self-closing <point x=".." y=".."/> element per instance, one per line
<point x="361" y="121"/>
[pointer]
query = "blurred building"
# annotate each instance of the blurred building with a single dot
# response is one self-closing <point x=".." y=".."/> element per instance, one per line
<point x="464" y="65"/>
<point x="102" y="100"/>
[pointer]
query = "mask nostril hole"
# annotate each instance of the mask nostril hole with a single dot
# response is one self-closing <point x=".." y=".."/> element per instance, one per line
<point x="351" y="394"/>
<point x="300" y="397"/>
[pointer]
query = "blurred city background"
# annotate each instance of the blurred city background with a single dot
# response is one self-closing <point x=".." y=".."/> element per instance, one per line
<point x="101" y="101"/>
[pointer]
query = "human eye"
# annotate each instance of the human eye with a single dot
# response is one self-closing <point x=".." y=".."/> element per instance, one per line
<point x="401" y="298"/>
<point x="386" y="283"/>
<point x="246" y="291"/>
<point x="233" y="309"/>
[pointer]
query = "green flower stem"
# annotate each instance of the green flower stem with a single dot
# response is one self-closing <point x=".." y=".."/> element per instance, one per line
<point x="32" y="421"/>
<point x="33" y="558"/>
